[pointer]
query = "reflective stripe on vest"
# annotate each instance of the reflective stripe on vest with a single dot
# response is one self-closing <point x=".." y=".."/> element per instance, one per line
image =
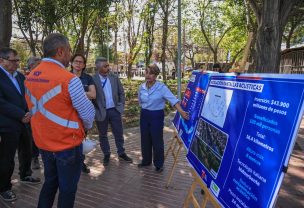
<point x="39" y="107"/>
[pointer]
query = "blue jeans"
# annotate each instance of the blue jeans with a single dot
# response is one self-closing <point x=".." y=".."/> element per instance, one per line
<point x="61" y="170"/>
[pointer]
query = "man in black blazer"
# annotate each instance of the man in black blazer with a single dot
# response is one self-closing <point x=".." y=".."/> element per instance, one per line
<point x="14" y="125"/>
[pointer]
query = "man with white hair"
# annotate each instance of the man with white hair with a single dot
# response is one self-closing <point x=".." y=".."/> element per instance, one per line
<point x="32" y="62"/>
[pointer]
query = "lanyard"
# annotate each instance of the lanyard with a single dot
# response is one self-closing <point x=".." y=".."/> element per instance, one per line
<point x="104" y="82"/>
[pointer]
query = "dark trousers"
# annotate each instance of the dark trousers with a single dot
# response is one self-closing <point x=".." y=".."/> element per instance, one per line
<point x="35" y="150"/>
<point x="10" y="142"/>
<point x="61" y="170"/>
<point x="151" y="130"/>
<point x="113" y="118"/>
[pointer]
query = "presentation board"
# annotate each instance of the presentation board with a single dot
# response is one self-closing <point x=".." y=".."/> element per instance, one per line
<point x="191" y="102"/>
<point x="245" y="132"/>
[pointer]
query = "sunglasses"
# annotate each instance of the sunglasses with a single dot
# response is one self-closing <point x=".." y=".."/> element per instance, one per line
<point x="12" y="60"/>
<point x="78" y="62"/>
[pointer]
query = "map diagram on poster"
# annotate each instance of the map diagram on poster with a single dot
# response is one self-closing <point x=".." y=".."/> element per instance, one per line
<point x="216" y="105"/>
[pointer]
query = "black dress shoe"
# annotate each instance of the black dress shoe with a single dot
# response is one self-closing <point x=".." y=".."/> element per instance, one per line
<point x="125" y="157"/>
<point x="106" y="160"/>
<point x="141" y="165"/>
<point x="30" y="180"/>
<point x="35" y="163"/>
<point x="159" y="170"/>
<point x="85" y="168"/>
<point x="8" y="196"/>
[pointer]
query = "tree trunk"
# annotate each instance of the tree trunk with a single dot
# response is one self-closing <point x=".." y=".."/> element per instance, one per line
<point x="33" y="48"/>
<point x="5" y="22"/>
<point x="115" y="49"/>
<point x="164" y="46"/>
<point x="129" y="75"/>
<point x="80" y="45"/>
<point x="246" y="51"/>
<point x="268" y="43"/>
<point x="288" y="39"/>
<point x="215" y="55"/>
<point x="272" y="16"/>
<point x="83" y="29"/>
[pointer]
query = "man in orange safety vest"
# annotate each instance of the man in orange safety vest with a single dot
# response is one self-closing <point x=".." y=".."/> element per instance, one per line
<point x="60" y="114"/>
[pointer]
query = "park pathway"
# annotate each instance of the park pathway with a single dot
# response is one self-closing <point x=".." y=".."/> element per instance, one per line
<point x="124" y="185"/>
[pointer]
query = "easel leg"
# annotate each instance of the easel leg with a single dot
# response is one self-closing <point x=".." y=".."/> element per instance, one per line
<point x="190" y="197"/>
<point x="174" y="163"/>
<point x="170" y="145"/>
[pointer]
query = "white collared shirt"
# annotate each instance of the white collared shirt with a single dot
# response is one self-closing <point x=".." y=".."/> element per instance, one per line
<point x="12" y="78"/>
<point x="107" y="89"/>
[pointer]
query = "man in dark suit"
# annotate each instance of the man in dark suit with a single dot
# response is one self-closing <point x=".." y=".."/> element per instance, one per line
<point x="109" y="103"/>
<point x="14" y="125"/>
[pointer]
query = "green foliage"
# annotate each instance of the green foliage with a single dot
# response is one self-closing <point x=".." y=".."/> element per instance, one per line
<point x="215" y="25"/>
<point x="235" y="41"/>
<point x="129" y="94"/>
<point x="101" y="51"/>
<point x="75" y="18"/>
<point x="134" y="109"/>
<point x="294" y="29"/>
<point x="22" y="53"/>
<point x="148" y="15"/>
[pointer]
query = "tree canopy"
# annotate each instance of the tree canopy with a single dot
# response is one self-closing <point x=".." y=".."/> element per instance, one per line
<point x="213" y="31"/>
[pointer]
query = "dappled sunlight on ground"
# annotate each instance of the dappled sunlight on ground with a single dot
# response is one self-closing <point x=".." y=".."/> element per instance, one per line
<point x="124" y="185"/>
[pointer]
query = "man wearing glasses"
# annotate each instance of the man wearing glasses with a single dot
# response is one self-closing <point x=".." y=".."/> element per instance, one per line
<point x="110" y="101"/>
<point x="15" y="130"/>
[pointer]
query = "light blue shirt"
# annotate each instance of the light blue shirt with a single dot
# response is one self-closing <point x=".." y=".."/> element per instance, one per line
<point x="12" y="77"/>
<point x="80" y="101"/>
<point x="155" y="97"/>
<point x="107" y="89"/>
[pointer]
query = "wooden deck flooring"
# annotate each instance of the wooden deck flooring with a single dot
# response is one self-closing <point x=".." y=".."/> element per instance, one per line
<point x="124" y="185"/>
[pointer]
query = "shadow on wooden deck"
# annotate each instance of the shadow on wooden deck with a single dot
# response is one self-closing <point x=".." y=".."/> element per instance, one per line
<point x="124" y="185"/>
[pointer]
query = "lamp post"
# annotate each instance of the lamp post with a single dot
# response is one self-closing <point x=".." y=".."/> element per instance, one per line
<point x="179" y="52"/>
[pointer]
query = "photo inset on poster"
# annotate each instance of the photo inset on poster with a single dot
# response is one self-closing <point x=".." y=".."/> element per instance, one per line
<point x="209" y="145"/>
<point x="216" y="105"/>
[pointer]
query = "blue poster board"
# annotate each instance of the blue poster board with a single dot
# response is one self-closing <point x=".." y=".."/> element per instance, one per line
<point x="244" y="136"/>
<point x="191" y="102"/>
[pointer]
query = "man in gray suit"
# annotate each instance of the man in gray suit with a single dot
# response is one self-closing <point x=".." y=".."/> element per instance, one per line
<point x="110" y="101"/>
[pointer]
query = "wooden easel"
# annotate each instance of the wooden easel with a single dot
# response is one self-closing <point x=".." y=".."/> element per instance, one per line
<point x="207" y="195"/>
<point x="174" y="143"/>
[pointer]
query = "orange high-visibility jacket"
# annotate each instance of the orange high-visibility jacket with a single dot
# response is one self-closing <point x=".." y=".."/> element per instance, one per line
<point x="55" y="122"/>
